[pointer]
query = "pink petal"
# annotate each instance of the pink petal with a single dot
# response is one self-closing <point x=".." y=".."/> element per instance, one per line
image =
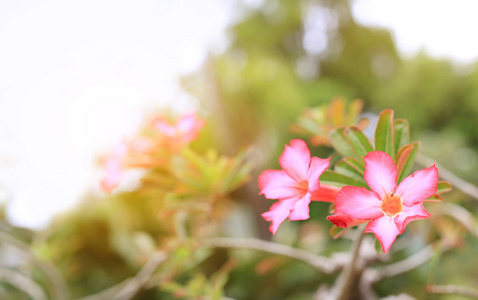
<point x="300" y="210"/>
<point x="409" y="214"/>
<point x="385" y="230"/>
<point x="380" y="173"/>
<point x="326" y="193"/>
<point x="358" y="203"/>
<point x="317" y="167"/>
<point x="419" y="186"/>
<point x="276" y="184"/>
<point x="278" y="212"/>
<point x="295" y="160"/>
<point x="344" y="221"/>
<point x="190" y="122"/>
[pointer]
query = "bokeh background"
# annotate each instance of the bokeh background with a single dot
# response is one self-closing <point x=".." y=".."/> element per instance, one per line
<point x="76" y="77"/>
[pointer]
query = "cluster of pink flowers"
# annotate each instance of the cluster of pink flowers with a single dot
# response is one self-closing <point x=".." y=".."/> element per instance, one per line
<point x="141" y="151"/>
<point x="387" y="207"/>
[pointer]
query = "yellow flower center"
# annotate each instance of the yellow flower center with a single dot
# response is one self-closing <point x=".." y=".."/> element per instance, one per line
<point x="392" y="205"/>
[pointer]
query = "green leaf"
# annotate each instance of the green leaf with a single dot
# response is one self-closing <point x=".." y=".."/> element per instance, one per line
<point x="384" y="133"/>
<point x="340" y="180"/>
<point x="401" y="133"/>
<point x="346" y="169"/>
<point x="358" y="140"/>
<point x="443" y="187"/>
<point x="434" y="199"/>
<point x="359" y="165"/>
<point x="405" y="159"/>
<point x="340" y="143"/>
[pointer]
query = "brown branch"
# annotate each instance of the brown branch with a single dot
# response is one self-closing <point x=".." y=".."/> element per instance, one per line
<point x="407" y="264"/>
<point x="23" y="283"/>
<point x="129" y="287"/>
<point x="466" y="187"/>
<point x="452" y="290"/>
<point x="345" y="282"/>
<point x="57" y="285"/>
<point x="321" y="263"/>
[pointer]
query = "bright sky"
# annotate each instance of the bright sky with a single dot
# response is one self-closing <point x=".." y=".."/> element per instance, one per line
<point x="444" y="29"/>
<point x="76" y="76"/>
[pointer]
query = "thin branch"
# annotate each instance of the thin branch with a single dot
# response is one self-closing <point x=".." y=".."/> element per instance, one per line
<point x="23" y="283"/>
<point x="466" y="187"/>
<point x="321" y="263"/>
<point x="129" y="287"/>
<point x="452" y="290"/>
<point x="345" y="281"/>
<point x="407" y="264"/>
<point x="57" y="285"/>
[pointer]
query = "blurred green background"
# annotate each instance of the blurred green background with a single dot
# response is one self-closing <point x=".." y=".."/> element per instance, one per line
<point x="284" y="56"/>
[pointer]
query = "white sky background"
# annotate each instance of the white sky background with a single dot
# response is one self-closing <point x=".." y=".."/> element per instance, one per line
<point x="77" y="76"/>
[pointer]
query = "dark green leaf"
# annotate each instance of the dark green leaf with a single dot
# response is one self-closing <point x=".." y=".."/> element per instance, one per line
<point x="358" y="140"/>
<point x="401" y="133"/>
<point x="340" y="180"/>
<point x="344" y="168"/>
<point x="384" y="133"/>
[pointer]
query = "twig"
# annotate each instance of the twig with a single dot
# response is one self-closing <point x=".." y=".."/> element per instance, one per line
<point x="452" y="289"/>
<point x="466" y="187"/>
<point x="407" y="264"/>
<point x="321" y="263"/>
<point x="23" y="283"/>
<point x="129" y="287"/>
<point x="345" y="282"/>
<point x="57" y="285"/>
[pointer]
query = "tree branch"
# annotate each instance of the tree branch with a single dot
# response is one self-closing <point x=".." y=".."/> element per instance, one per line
<point x="57" y="285"/>
<point x="452" y="289"/>
<point x="23" y="283"/>
<point x="129" y="287"/>
<point x="321" y="263"/>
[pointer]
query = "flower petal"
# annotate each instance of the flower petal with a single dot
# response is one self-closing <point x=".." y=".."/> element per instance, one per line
<point x="295" y="160"/>
<point x="278" y="212"/>
<point x="419" y="186"/>
<point x="317" y="167"/>
<point x="344" y="221"/>
<point x="380" y="173"/>
<point x="358" y="203"/>
<point x="410" y="213"/>
<point x="326" y="193"/>
<point x="300" y="210"/>
<point x="385" y="230"/>
<point x="276" y="184"/>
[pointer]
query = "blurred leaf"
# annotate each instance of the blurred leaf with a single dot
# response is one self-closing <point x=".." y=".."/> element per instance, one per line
<point x="340" y="143"/>
<point x="434" y="199"/>
<point x="357" y="164"/>
<point x="340" y="180"/>
<point x="401" y="133"/>
<point x="354" y="110"/>
<point x="405" y="159"/>
<point x="346" y="169"/>
<point x="358" y="140"/>
<point x="384" y="133"/>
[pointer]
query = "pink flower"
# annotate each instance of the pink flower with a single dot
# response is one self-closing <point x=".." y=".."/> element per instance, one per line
<point x="134" y="153"/>
<point x="113" y="167"/>
<point x="295" y="185"/>
<point x="176" y="135"/>
<point x="388" y="207"/>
